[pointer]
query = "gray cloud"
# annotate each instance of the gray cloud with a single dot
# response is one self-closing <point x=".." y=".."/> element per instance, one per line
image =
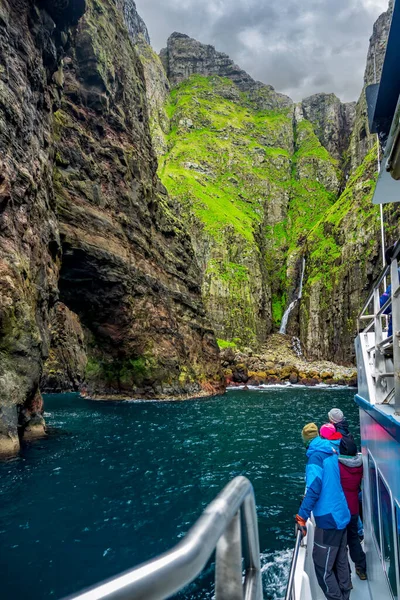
<point x="298" y="47"/>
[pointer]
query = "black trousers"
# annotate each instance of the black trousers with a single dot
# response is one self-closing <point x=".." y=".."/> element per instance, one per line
<point x="357" y="554"/>
<point x="331" y="563"/>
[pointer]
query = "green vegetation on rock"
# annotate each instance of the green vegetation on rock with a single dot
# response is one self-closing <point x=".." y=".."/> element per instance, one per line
<point x="341" y="251"/>
<point x="250" y="185"/>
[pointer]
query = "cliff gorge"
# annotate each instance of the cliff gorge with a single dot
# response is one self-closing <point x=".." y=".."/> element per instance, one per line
<point x="89" y="238"/>
<point x="115" y="276"/>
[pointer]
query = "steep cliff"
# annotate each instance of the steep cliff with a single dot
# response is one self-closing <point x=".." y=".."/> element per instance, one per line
<point x="185" y="56"/>
<point x="333" y="122"/>
<point x="361" y="140"/>
<point x="85" y="220"/>
<point x="299" y="183"/>
<point x="344" y="249"/>
<point x="157" y="84"/>
<point x="251" y="178"/>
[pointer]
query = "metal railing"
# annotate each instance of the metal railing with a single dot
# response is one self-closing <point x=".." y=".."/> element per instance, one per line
<point x="370" y="322"/>
<point x="219" y="528"/>
<point x="290" y="591"/>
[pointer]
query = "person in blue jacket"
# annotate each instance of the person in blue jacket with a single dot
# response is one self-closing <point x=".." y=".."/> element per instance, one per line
<point x="325" y="499"/>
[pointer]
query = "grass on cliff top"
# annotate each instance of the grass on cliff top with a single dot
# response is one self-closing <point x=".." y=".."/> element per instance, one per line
<point x="219" y="167"/>
<point x="309" y="144"/>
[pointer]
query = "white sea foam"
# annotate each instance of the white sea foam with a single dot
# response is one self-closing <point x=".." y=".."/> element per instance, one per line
<point x="268" y="386"/>
<point x="275" y="572"/>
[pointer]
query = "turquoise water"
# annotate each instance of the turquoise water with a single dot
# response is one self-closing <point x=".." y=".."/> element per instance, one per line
<point x="117" y="483"/>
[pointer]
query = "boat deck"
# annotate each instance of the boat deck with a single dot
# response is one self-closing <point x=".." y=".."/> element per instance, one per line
<point x="360" y="589"/>
<point x="306" y="585"/>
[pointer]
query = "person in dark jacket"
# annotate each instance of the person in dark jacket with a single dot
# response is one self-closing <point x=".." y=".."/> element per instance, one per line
<point x="337" y="418"/>
<point x="351" y="473"/>
<point x="325" y="499"/>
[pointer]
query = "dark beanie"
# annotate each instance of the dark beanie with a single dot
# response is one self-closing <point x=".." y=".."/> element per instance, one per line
<point x="347" y="446"/>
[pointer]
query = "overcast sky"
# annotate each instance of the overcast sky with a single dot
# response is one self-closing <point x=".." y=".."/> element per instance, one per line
<point x="299" y="46"/>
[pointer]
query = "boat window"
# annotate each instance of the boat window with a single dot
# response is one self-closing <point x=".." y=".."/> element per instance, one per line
<point x="388" y="540"/>
<point x="374" y="500"/>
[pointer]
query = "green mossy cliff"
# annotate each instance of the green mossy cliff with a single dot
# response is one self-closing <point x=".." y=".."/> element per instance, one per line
<point x="249" y="184"/>
<point x="262" y="183"/>
<point x="343" y="251"/>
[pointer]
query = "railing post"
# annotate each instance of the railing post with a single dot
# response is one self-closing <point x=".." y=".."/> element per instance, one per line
<point x="394" y="278"/>
<point x="290" y="591"/>
<point x="228" y="563"/>
<point x="253" y="583"/>
<point x="379" y="363"/>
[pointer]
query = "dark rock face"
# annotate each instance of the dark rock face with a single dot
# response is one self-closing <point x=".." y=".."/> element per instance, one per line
<point x="64" y="12"/>
<point x="30" y="248"/>
<point x="185" y="56"/>
<point x="85" y="220"/>
<point x="361" y="139"/>
<point x="65" y="367"/>
<point x="333" y="121"/>
<point x="134" y="23"/>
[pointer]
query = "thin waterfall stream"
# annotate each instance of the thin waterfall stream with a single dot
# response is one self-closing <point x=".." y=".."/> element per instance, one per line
<point x="291" y="306"/>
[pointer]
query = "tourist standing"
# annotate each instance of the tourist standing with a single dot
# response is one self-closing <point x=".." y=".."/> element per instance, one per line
<point x="339" y="421"/>
<point x="351" y="473"/>
<point x="325" y="499"/>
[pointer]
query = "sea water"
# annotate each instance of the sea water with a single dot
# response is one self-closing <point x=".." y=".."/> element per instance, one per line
<point x="115" y="484"/>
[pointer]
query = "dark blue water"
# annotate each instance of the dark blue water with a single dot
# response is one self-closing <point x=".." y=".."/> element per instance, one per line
<point x="117" y="483"/>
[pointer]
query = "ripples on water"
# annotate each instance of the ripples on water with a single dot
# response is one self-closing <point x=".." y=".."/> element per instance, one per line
<point x="117" y="483"/>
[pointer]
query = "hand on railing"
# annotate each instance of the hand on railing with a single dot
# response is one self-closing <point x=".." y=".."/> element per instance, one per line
<point x="301" y="525"/>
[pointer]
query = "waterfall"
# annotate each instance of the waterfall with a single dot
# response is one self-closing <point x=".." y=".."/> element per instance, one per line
<point x="285" y="317"/>
<point x="303" y="268"/>
<point x="291" y="306"/>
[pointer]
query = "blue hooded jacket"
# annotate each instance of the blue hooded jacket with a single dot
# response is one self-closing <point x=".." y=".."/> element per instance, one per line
<point x="324" y="495"/>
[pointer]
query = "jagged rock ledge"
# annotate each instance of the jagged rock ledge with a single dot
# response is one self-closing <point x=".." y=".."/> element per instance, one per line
<point x="206" y="390"/>
<point x="279" y="363"/>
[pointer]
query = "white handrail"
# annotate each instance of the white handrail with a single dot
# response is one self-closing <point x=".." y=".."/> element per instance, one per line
<point x="218" y="528"/>
<point x="370" y="322"/>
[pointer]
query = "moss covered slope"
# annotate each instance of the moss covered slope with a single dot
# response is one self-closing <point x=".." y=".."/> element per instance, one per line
<point x="250" y="185"/>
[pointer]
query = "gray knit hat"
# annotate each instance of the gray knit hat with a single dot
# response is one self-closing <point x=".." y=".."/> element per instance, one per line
<point x="335" y="415"/>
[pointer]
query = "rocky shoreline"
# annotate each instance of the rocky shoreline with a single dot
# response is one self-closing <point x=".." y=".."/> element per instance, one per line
<point x="281" y="362"/>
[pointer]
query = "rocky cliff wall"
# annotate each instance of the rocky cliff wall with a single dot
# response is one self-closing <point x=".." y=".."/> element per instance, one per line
<point x="362" y="141"/>
<point x="157" y="84"/>
<point x="333" y="122"/>
<point x="85" y="220"/>
<point x="344" y="248"/>
<point x="185" y="56"/>
<point x="134" y="23"/>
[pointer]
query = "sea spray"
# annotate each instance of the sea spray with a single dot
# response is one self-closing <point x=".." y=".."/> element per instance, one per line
<point x="275" y="568"/>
